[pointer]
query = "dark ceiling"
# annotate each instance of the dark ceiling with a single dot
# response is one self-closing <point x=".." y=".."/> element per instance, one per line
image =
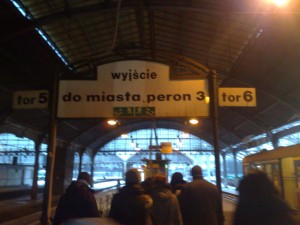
<point x="247" y="42"/>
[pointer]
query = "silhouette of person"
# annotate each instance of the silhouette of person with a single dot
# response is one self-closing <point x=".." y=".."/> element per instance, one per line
<point x="259" y="202"/>
<point x="165" y="209"/>
<point x="78" y="201"/>
<point x="177" y="183"/>
<point x="130" y="206"/>
<point x="147" y="184"/>
<point x="201" y="201"/>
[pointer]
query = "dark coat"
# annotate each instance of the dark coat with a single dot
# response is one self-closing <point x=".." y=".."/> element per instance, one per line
<point x="130" y="206"/>
<point x="177" y="188"/>
<point x="78" y="201"/>
<point x="259" y="202"/>
<point x="165" y="209"/>
<point x="201" y="203"/>
<point x="269" y="209"/>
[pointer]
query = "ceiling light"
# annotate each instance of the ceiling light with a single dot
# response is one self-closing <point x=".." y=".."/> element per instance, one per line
<point x="207" y="99"/>
<point x="280" y="3"/>
<point x="112" y="122"/>
<point x="193" y="121"/>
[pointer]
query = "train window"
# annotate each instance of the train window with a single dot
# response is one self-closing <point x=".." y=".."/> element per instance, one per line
<point x="268" y="169"/>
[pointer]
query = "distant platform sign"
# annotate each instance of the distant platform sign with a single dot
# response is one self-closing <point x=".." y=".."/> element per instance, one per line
<point x="33" y="99"/>
<point x="134" y="111"/>
<point x="132" y="88"/>
<point x="237" y="97"/>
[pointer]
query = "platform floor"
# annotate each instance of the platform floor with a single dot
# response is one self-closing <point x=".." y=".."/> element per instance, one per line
<point x="228" y="210"/>
<point x="24" y="211"/>
<point x="12" y="208"/>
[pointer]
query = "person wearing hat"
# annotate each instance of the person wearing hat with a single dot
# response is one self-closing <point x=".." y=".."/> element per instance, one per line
<point x="78" y="201"/>
<point x="130" y="206"/>
<point x="201" y="201"/>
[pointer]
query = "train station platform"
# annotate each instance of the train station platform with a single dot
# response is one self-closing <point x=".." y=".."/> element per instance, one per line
<point x="25" y="211"/>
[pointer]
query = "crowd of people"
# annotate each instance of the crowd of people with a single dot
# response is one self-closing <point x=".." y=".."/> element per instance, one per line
<point x="155" y="201"/>
<point x="163" y="203"/>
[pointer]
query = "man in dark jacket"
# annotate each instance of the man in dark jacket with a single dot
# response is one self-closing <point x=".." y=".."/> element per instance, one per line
<point x="201" y="201"/>
<point x="130" y="206"/>
<point x="165" y="209"/>
<point x="78" y="201"/>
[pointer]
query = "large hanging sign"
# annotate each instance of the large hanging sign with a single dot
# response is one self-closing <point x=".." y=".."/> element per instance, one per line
<point x="132" y="89"/>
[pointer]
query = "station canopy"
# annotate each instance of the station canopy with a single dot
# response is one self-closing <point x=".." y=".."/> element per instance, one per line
<point x="248" y="43"/>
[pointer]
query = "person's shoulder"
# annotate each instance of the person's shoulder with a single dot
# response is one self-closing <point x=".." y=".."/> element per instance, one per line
<point x="185" y="185"/>
<point x="134" y="189"/>
<point x="209" y="185"/>
<point x="174" y="195"/>
<point x="203" y="184"/>
<point x="116" y="197"/>
<point x="145" y="200"/>
<point x="83" y="186"/>
<point x="184" y="188"/>
<point x="72" y="187"/>
<point x="133" y="195"/>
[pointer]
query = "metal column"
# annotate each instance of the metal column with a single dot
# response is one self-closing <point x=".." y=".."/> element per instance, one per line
<point x="212" y="77"/>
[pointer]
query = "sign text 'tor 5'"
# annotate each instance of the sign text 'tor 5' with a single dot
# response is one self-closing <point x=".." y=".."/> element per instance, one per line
<point x="33" y="99"/>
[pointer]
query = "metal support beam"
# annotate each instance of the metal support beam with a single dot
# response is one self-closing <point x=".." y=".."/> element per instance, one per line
<point x="212" y="77"/>
<point x="47" y="200"/>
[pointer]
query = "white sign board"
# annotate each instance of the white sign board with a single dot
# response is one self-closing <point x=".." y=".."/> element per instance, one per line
<point x="132" y="89"/>
<point x="34" y="99"/>
<point x="237" y="97"/>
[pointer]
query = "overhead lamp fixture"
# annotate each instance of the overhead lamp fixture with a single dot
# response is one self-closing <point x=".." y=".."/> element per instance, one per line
<point x="280" y="3"/>
<point x="124" y="135"/>
<point x="193" y="121"/>
<point x="207" y="99"/>
<point x="112" y="122"/>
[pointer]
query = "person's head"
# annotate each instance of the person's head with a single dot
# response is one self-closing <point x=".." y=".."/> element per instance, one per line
<point x="177" y="178"/>
<point x="132" y="176"/>
<point x="196" y="172"/>
<point x="86" y="177"/>
<point x="256" y="183"/>
<point x="147" y="183"/>
<point x="159" y="180"/>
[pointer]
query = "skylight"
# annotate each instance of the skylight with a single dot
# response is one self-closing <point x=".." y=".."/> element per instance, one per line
<point x="42" y="33"/>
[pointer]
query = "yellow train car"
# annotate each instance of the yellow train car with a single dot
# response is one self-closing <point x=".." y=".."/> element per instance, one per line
<point x="282" y="165"/>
